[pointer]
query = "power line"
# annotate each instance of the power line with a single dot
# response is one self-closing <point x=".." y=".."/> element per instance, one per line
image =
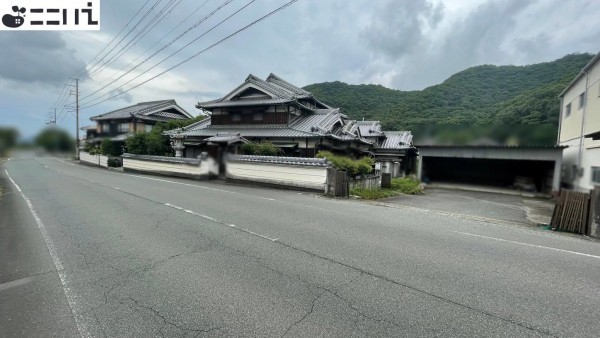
<point x="167" y="45"/>
<point x="126" y="35"/>
<point x="110" y="78"/>
<point x="113" y="39"/>
<point x="202" y="51"/>
<point x="140" y="35"/>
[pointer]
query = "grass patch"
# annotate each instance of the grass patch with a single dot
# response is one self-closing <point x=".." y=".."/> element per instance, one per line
<point x="400" y="186"/>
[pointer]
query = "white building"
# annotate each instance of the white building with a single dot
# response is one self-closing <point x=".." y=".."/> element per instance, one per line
<point x="579" y="129"/>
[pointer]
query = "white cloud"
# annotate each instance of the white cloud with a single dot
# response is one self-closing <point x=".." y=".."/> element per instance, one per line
<point x="400" y="44"/>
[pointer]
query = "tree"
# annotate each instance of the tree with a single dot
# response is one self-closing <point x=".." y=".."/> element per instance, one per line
<point x="110" y="148"/>
<point x="8" y="139"/>
<point x="55" y="140"/>
<point x="136" y="144"/>
<point x="154" y="142"/>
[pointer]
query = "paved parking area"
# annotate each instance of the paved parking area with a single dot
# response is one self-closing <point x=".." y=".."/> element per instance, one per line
<point x="508" y="208"/>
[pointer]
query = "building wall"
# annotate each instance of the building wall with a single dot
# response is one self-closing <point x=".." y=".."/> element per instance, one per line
<point x="592" y="119"/>
<point x="580" y="179"/>
<point x="198" y="171"/>
<point x="571" y="125"/>
<point x="582" y="153"/>
<point x="96" y="160"/>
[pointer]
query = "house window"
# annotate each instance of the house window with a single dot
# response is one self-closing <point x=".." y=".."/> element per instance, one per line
<point x="581" y="100"/>
<point x="258" y="116"/>
<point x="596" y="175"/>
<point x="568" y="110"/>
<point x="123" y="127"/>
<point x="105" y="127"/>
<point x="148" y="128"/>
<point x="236" y="117"/>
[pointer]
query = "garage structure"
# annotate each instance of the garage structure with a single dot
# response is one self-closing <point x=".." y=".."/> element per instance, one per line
<point x="494" y="166"/>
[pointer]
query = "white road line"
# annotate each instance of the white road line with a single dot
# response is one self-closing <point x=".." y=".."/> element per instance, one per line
<point x="69" y="294"/>
<point x="199" y="186"/>
<point x="529" y="245"/>
<point x="218" y="221"/>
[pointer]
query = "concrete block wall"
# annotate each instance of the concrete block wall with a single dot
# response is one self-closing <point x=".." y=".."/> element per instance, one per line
<point x="167" y="166"/>
<point x="96" y="160"/>
<point x="305" y="173"/>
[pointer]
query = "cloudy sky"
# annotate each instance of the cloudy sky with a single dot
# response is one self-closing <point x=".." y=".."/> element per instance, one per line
<point x="401" y="44"/>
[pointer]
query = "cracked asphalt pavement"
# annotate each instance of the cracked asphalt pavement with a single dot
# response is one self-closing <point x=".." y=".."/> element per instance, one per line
<point x="92" y="252"/>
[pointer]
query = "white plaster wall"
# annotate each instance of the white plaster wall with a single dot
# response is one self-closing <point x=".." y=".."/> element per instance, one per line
<point x="165" y="167"/>
<point x="99" y="160"/>
<point x="295" y="176"/>
<point x="590" y="157"/>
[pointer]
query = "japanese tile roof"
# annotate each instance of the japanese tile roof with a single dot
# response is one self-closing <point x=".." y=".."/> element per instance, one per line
<point x="321" y="123"/>
<point x="396" y="140"/>
<point x="146" y="110"/>
<point x="369" y="128"/>
<point x="226" y="138"/>
<point x="278" y="90"/>
<point x="317" y="162"/>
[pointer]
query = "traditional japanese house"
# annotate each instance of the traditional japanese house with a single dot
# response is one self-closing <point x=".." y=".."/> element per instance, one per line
<point x="118" y="124"/>
<point x="292" y="119"/>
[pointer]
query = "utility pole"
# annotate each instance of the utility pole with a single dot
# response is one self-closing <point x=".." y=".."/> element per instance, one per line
<point x="76" y="118"/>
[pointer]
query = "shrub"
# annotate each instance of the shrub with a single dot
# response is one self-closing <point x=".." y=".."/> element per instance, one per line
<point x="110" y="148"/>
<point x="267" y="149"/>
<point x="263" y="149"/>
<point x="114" y="163"/>
<point x="362" y="166"/>
<point x="399" y="187"/>
<point x="136" y="144"/>
<point x="407" y="186"/>
<point x="249" y="148"/>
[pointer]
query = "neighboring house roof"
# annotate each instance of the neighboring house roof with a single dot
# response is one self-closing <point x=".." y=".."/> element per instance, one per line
<point x="227" y="138"/>
<point x="91" y="127"/>
<point x="370" y="128"/>
<point x="153" y="110"/>
<point x="275" y="90"/>
<point x="396" y="140"/>
<point x="583" y="71"/>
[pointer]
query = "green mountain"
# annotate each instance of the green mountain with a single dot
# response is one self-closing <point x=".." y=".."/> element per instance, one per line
<point x="485" y="95"/>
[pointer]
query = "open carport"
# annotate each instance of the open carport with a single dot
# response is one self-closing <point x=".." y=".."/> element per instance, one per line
<point x="493" y="166"/>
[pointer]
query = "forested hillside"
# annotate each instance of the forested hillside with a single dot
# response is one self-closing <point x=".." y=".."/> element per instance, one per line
<point x="479" y="96"/>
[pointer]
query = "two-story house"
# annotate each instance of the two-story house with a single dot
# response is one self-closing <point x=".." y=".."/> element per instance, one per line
<point x="118" y="124"/>
<point x="293" y="120"/>
<point x="579" y="128"/>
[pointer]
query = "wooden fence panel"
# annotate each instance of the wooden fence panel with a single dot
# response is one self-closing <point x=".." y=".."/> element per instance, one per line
<point x="571" y="212"/>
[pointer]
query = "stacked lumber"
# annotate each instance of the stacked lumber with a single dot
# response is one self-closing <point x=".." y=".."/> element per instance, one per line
<point x="571" y="212"/>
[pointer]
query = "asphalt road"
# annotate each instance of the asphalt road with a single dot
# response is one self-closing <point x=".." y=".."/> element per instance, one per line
<point x="93" y="252"/>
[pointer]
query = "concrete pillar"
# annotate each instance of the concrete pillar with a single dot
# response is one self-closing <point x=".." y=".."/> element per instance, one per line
<point x="420" y="168"/>
<point x="556" y="175"/>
